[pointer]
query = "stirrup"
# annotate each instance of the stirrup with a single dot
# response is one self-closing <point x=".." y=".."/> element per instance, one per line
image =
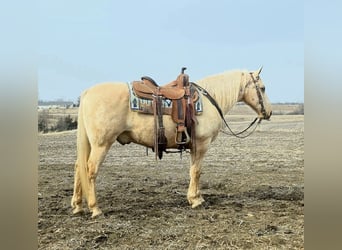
<point x="187" y="140"/>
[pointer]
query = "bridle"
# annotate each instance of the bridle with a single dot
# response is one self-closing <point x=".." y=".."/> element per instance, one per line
<point x="261" y="102"/>
<point x="263" y="111"/>
<point x="215" y="104"/>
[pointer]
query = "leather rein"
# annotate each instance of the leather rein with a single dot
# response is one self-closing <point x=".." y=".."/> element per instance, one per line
<point x="215" y="104"/>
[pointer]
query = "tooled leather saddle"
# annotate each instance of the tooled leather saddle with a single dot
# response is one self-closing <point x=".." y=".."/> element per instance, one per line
<point x="182" y="95"/>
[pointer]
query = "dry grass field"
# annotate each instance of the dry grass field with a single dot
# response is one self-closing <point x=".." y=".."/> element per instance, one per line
<point x="253" y="187"/>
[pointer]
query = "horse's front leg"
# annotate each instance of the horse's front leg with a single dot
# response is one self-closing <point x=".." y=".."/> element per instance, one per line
<point x="194" y="195"/>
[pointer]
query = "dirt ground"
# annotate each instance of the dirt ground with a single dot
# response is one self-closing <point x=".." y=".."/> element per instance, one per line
<point x="253" y="187"/>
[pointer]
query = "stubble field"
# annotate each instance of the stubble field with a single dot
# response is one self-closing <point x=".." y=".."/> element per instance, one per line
<point x="253" y="187"/>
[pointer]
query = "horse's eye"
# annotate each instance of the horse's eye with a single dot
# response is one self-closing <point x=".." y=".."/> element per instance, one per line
<point x="263" y="89"/>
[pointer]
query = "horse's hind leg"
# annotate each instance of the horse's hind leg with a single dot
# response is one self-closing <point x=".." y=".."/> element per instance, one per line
<point x="76" y="201"/>
<point x="96" y="158"/>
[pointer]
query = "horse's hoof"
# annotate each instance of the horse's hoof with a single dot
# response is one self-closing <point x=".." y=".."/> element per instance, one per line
<point x="77" y="210"/>
<point x="96" y="213"/>
<point x="73" y="203"/>
<point x="197" y="202"/>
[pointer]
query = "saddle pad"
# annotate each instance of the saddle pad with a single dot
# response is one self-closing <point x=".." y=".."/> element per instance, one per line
<point x="145" y="106"/>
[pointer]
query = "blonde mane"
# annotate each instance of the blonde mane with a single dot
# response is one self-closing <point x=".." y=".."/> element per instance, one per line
<point x="225" y="87"/>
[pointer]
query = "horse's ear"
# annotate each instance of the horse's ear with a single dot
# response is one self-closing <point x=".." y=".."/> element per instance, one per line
<point x="259" y="70"/>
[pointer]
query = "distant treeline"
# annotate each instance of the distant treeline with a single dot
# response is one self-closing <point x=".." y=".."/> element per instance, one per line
<point x="287" y="103"/>
<point x="59" y="102"/>
<point x="63" y="123"/>
<point x="299" y="110"/>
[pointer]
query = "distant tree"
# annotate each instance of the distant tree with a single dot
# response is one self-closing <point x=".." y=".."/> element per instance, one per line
<point x="70" y="123"/>
<point x="43" y="121"/>
<point x="42" y="125"/>
<point x="61" y="125"/>
<point x="66" y="123"/>
<point x="78" y="101"/>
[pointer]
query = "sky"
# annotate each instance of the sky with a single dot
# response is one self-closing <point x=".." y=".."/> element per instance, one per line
<point x="81" y="43"/>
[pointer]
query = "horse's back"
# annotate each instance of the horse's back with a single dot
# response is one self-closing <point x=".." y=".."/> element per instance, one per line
<point x="106" y="90"/>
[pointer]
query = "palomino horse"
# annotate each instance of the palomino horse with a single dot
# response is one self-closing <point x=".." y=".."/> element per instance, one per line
<point x="105" y="117"/>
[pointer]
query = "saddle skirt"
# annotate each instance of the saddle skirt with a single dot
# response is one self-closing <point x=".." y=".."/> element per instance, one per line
<point x="145" y="106"/>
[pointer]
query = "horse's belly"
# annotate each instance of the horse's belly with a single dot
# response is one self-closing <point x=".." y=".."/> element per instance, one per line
<point x="145" y="139"/>
<point x="128" y="137"/>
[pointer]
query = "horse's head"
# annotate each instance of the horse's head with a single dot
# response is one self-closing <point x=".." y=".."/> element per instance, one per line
<point x="255" y="95"/>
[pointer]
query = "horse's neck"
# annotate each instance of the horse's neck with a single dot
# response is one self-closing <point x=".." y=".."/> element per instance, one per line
<point x="224" y="88"/>
<point x="230" y="98"/>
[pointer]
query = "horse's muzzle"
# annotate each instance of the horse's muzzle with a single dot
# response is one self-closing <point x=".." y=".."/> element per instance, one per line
<point x="268" y="116"/>
<point x="265" y="116"/>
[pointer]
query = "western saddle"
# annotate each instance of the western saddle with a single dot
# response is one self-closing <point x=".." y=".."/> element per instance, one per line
<point x="182" y="96"/>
